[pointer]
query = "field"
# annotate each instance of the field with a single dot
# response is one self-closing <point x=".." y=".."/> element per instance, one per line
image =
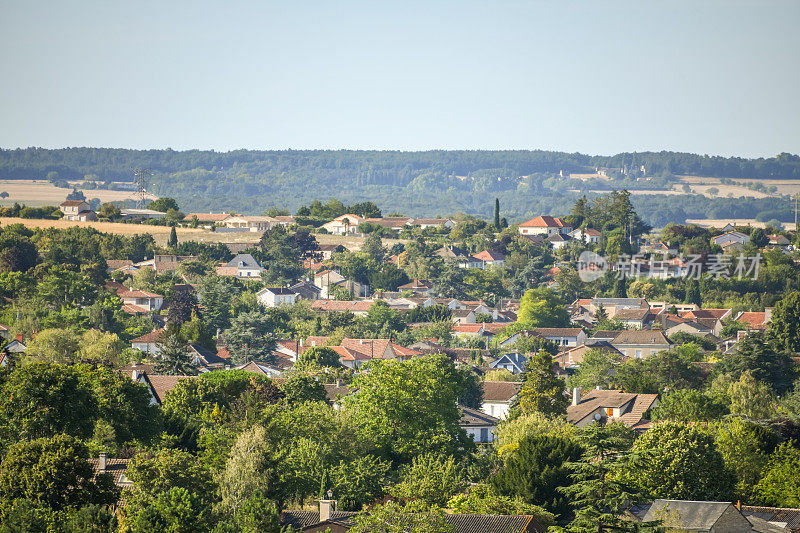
<point x="161" y="233"/>
<point x="722" y="222"/>
<point x="38" y="193"/>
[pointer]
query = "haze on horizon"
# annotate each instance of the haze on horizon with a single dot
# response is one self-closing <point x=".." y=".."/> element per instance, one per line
<point x="717" y="77"/>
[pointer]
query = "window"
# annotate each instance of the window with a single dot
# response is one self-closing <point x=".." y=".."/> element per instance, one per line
<point x="638" y="354"/>
<point x="484" y="435"/>
<point x="609" y="411"/>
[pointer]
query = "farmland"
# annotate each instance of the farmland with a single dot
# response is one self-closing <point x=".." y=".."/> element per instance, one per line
<point x="38" y="193"/>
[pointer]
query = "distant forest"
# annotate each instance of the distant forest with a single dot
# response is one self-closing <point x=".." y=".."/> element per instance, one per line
<point x="430" y="183"/>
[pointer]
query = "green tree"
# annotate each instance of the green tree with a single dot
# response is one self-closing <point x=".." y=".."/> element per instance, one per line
<point x="620" y="290"/>
<point x="98" y="347"/>
<point x="55" y="345"/>
<point x="745" y="447"/>
<point x="317" y="357"/>
<point x="497" y="225"/>
<point x="687" y="405"/>
<point x="359" y="482"/>
<point x="250" y="337"/>
<point x="196" y="331"/>
<point x="693" y="292"/>
<point x="536" y="470"/>
<point x="182" y="306"/>
<point x="373" y="248"/>
<point x="680" y="462"/>
<point x="393" y="517"/>
<point x="484" y="499"/>
<point x="163" y="205"/>
<point x="542" y="391"/>
<point x="765" y="364"/>
<point x="299" y="388"/>
<point x="432" y="479"/>
<point x="597" y="369"/>
<point x="758" y="238"/>
<point x="173" y="353"/>
<point x="171" y="491"/>
<point x="784" y="327"/>
<point x="541" y="308"/>
<point x="53" y="472"/>
<point x="752" y="398"/>
<point x="780" y="485"/>
<point x="408" y="408"/>
<point x="172" y="241"/>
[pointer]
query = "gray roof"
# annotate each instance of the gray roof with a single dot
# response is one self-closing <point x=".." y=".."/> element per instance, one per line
<point x="248" y="260"/>
<point x="515" y="358"/>
<point x="474" y="418"/>
<point x="621" y="302"/>
<point x="686" y="514"/>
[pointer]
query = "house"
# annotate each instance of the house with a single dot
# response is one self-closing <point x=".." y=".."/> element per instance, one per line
<point x="544" y="225"/>
<point x="489" y="258"/>
<point x="329" y="280"/>
<point x="285" y="220"/>
<point x="587" y="235"/>
<point x="472" y="330"/>
<point x="568" y="337"/>
<point x="641" y="343"/>
<point x="497" y="397"/>
<point x="424" y="287"/>
<point x="275" y="296"/>
<point x="357" y="307"/>
<point x="437" y="223"/>
<point x="698" y="517"/>
<point x="478" y="425"/>
<point x="159" y="384"/>
<point x="116" y="468"/>
<point x="5" y="332"/>
<point x="205" y="359"/>
<point x="326" y="251"/>
<point x="778" y="240"/>
<point x="462" y="258"/>
<point x="782" y="516"/>
<point x="730" y="237"/>
<point x="148" y="342"/>
<point x="241" y="266"/>
<point x="463" y="316"/>
<point x="691" y="327"/>
<point x="573" y="357"/>
<point x="306" y="290"/>
<point x="392" y="223"/>
<point x="136" y="301"/>
<point x="634" y="318"/>
<point x="343" y="225"/>
<point x="514" y="362"/>
<point x="250" y="223"/>
<point x="16" y="346"/>
<point x="355" y="352"/>
<point x="557" y="240"/>
<point x="140" y="214"/>
<point x="260" y="368"/>
<point x="77" y="210"/>
<point x="607" y="406"/>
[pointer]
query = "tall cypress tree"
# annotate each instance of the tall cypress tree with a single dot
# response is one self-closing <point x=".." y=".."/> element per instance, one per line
<point x="173" y="238"/>
<point x="620" y="290"/>
<point x="497" y="214"/>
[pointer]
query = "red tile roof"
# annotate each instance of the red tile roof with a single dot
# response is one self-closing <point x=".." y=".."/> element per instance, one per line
<point x="544" y="222"/>
<point x="136" y="293"/>
<point x="161" y="384"/>
<point x="754" y="319"/>
<point x="488" y="255"/>
<point x="148" y="338"/>
<point x="133" y="309"/>
<point x="342" y="305"/>
<point x="206" y="217"/>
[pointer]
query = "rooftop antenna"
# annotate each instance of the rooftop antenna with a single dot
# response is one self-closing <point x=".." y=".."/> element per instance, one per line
<point x="140" y="181"/>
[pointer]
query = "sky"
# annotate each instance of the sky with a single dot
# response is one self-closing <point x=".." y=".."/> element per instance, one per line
<point x="599" y="77"/>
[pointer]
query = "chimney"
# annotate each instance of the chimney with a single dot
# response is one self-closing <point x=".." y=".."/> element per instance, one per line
<point x="576" y="396"/>
<point x="338" y="382"/>
<point x="19" y="337"/>
<point x="135" y="375"/>
<point x="326" y="507"/>
<point x="102" y="461"/>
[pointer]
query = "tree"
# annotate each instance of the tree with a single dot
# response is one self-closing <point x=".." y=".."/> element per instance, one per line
<point x="780" y="485"/>
<point x="181" y="306"/>
<point x="172" y="241"/>
<point x="752" y="398"/>
<point x="373" y="248"/>
<point x="758" y="238"/>
<point x="101" y="348"/>
<point x="408" y="408"/>
<point x="687" y="405"/>
<point x="250" y="337"/>
<point x="745" y="447"/>
<point x="163" y="205"/>
<point x="597" y="369"/>
<point x="171" y="491"/>
<point x="53" y="472"/>
<point x="541" y="308"/>
<point x="536" y="469"/>
<point x="195" y="331"/>
<point x="764" y="363"/>
<point x="542" y="391"/>
<point x="109" y="211"/>
<point x="497" y="224"/>
<point x="784" y="327"/>
<point x="17" y="253"/>
<point x="359" y="482"/>
<point x="317" y="357"/>
<point x="680" y="462"/>
<point x="393" y="517"/>
<point x="660" y="372"/>
<point x="599" y="499"/>
<point x="693" y="292"/>
<point x="299" y="388"/>
<point x="55" y="345"/>
<point x="173" y="353"/>
<point x="484" y="499"/>
<point x="432" y="479"/>
<point x="620" y="290"/>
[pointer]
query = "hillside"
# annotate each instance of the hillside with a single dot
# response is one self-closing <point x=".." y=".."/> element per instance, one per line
<point x="415" y="183"/>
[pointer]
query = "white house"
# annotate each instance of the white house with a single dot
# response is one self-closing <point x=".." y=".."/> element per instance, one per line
<point x="609" y="406"/>
<point x="497" y="397"/>
<point x="251" y="223"/>
<point x="569" y="337"/>
<point x="136" y="301"/>
<point x="241" y="266"/>
<point x="588" y="235"/>
<point x="544" y="225"/>
<point x="77" y="210"/>
<point x="641" y="343"/>
<point x="275" y="296"/>
<point x="489" y="258"/>
<point x="147" y="343"/>
<point x="558" y="240"/>
<point x="342" y="225"/>
<point x="426" y="223"/>
<point x="514" y="362"/>
<point x="478" y="425"/>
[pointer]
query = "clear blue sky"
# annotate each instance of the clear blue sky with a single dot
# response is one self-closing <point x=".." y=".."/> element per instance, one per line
<point x="599" y="77"/>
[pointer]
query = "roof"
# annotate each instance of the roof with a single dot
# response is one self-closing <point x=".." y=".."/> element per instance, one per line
<point x="475" y="418"/>
<point x="301" y="519"/>
<point x="73" y="203"/>
<point x="641" y="336"/>
<point x="248" y="260"/>
<point x="343" y="305"/>
<point x="754" y="319"/>
<point x="132" y="309"/>
<point x="468" y="328"/>
<point x="631" y="314"/>
<point x="543" y="222"/>
<point x="430" y="221"/>
<point x="558" y="332"/>
<point x="206" y="217"/>
<point x="515" y="358"/>
<point x="148" y="337"/>
<point x="3" y="327"/>
<point x="416" y="284"/>
<point x="687" y="514"/>
<point x="556" y="237"/>
<point x="335" y="391"/>
<point x="488" y="255"/>
<point x="138" y="294"/>
<point x="789" y="516"/>
<point x="500" y="391"/>
<point x="635" y="405"/>
<point x="463" y="523"/>
<point x="606" y="334"/>
<point x="114" y="264"/>
<point x="114" y="466"/>
<point x="161" y="384"/>
<point x="277" y="290"/>
<point x="706" y="313"/>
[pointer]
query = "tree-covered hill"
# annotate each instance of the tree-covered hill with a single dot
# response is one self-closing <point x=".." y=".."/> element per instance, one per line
<point x="415" y="183"/>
